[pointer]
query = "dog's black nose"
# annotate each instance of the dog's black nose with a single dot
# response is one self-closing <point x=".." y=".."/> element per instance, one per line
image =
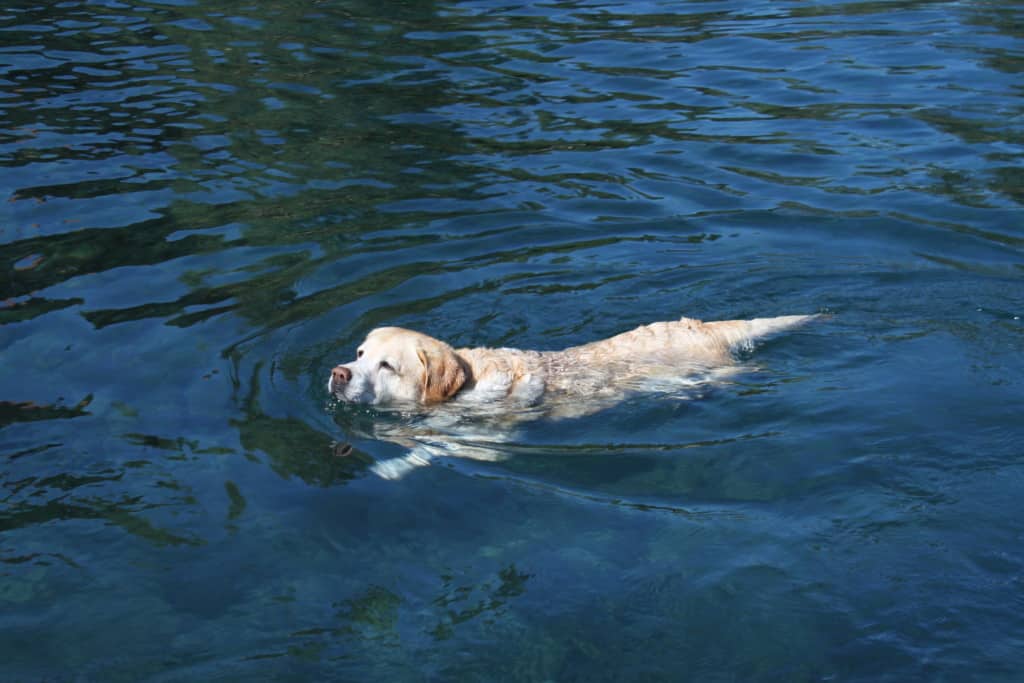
<point x="340" y="376"/>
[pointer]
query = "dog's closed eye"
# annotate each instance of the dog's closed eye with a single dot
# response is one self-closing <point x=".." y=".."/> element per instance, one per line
<point x="384" y="365"/>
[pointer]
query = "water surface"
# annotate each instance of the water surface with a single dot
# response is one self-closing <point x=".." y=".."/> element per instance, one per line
<point x="205" y="205"/>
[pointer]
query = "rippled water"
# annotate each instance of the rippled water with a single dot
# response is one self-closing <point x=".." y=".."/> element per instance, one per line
<point x="205" y="205"/>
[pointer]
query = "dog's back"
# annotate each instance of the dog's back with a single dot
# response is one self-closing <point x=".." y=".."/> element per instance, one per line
<point x="685" y="340"/>
<point x="583" y="379"/>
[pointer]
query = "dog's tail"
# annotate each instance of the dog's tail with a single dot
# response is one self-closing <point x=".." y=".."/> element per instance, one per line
<point x="740" y="335"/>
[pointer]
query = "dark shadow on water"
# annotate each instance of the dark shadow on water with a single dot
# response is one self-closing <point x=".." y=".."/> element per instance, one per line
<point x="11" y="413"/>
<point x="125" y="512"/>
<point x="294" y="448"/>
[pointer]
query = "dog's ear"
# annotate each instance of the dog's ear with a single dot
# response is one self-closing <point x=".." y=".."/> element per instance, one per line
<point x="443" y="373"/>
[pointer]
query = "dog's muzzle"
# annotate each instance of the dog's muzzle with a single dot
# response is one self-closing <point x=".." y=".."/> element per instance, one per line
<point x="340" y="377"/>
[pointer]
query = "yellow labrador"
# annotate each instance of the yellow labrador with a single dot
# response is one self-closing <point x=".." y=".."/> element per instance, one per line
<point x="406" y="369"/>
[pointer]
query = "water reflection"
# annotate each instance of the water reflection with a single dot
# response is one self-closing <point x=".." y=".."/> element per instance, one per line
<point x="294" y="448"/>
<point x="199" y="172"/>
<point x="11" y="413"/>
<point x="36" y="501"/>
<point x="447" y="109"/>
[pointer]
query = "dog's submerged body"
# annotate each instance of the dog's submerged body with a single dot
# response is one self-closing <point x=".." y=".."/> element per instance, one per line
<point x="402" y="368"/>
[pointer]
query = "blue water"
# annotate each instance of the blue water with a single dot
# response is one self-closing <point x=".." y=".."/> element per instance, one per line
<point x="205" y="205"/>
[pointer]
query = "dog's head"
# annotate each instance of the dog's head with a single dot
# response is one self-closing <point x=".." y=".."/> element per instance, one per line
<point x="394" y="365"/>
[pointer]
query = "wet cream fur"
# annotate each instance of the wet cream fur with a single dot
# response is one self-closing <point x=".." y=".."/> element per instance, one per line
<point x="407" y="369"/>
<point x="396" y="366"/>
